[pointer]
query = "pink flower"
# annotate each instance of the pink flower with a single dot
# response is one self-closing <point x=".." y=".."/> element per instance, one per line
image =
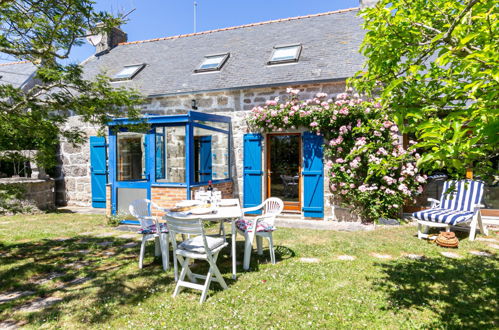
<point x="320" y="95"/>
<point x="360" y="141"/>
<point x="394" y="128"/>
<point x="376" y="133"/>
<point x="344" y="111"/>
<point x="352" y="185"/>
<point x="271" y="102"/>
<point x="340" y="160"/>
<point x="363" y="188"/>
<point x="387" y="124"/>
<point x="314" y="124"/>
<point x="344" y="192"/>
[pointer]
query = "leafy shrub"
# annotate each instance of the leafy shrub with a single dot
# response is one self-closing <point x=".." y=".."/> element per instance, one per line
<point x="369" y="170"/>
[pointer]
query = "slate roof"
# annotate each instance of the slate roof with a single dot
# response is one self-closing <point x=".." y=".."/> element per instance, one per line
<point x="18" y="74"/>
<point x="330" y="51"/>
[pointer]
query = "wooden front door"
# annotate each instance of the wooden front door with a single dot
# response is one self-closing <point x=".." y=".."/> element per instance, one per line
<point x="284" y="169"/>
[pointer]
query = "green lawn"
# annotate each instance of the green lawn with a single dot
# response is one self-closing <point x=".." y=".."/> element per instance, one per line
<point x="101" y="286"/>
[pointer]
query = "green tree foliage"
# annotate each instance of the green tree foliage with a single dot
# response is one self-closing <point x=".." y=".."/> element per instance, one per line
<point x="44" y="32"/>
<point x="436" y="64"/>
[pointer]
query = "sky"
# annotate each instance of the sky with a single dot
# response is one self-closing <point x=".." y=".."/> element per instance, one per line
<point x="162" y="18"/>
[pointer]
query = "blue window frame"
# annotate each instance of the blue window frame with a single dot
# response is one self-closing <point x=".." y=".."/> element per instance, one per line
<point x="169" y="154"/>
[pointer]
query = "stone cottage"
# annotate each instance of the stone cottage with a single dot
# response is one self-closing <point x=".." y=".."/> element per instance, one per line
<point x="220" y="74"/>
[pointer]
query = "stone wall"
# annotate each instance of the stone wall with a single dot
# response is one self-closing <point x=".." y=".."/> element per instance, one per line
<point x="75" y="174"/>
<point x="39" y="192"/>
<point x="72" y="180"/>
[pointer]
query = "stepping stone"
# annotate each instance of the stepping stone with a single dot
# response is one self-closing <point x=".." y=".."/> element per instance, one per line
<point x="128" y="236"/>
<point x="494" y="246"/>
<point x="346" y="257"/>
<point x="481" y="253"/>
<point x="451" y="255"/>
<point x="78" y="265"/>
<point x="381" y="256"/>
<point x="108" y="234"/>
<point x="414" y="256"/>
<point x="39" y="304"/>
<point x="130" y="245"/>
<point x="11" y="324"/>
<point x="83" y="251"/>
<point x="109" y="253"/>
<point x="61" y="239"/>
<point x="310" y="260"/>
<point x="49" y="277"/>
<point x="105" y="243"/>
<point x="5" y="297"/>
<point x="484" y="239"/>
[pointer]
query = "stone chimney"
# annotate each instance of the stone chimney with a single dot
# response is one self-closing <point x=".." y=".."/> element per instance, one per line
<point x="110" y="39"/>
<point x="367" y="3"/>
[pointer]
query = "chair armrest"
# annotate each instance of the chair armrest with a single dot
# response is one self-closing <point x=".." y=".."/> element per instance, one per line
<point x="434" y="202"/>
<point x="254" y="208"/>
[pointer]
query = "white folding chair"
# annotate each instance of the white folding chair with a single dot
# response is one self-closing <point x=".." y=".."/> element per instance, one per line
<point x="150" y="228"/>
<point x="199" y="247"/>
<point x="264" y="225"/>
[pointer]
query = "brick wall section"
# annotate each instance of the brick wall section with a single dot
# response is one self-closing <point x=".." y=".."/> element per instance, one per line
<point x="108" y="200"/>
<point x="226" y="188"/>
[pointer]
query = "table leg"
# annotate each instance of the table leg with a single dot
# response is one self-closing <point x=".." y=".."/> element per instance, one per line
<point x="233" y="228"/>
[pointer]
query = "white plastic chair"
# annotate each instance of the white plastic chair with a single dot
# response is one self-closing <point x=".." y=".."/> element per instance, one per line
<point x="200" y="247"/>
<point x="211" y="196"/>
<point x="264" y="225"/>
<point x="151" y="229"/>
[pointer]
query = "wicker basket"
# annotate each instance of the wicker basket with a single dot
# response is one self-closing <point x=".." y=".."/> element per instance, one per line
<point x="447" y="239"/>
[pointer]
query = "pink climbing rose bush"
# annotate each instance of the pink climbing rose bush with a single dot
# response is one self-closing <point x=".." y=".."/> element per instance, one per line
<point x="368" y="168"/>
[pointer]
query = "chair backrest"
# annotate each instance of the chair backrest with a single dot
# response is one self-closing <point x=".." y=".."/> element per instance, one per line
<point x="141" y="208"/>
<point x="202" y="195"/>
<point x="185" y="227"/>
<point x="462" y="196"/>
<point x="207" y="195"/>
<point x="272" y="206"/>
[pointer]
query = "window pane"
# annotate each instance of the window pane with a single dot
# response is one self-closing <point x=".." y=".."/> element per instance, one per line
<point x="220" y="125"/>
<point x="285" y="53"/>
<point x="211" y="155"/>
<point x="131" y="156"/>
<point x="128" y="71"/>
<point x="491" y="191"/>
<point x="170" y="154"/>
<point x="213" y="62"/>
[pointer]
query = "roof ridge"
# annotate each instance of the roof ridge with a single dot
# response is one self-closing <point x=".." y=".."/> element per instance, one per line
<point x="240" y="26"/>
<point x="11" y="63"/>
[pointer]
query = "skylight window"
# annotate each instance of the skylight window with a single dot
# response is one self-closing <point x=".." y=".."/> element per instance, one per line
<point x="128" y="72"/>
<point x="285" y="54"/>
<point x="212" y="62"/>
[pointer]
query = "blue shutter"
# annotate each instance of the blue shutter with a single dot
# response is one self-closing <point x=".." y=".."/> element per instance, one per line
<point x="98" y="171"/>
<point x="252" y="172"/>
<point x="313" y="175"/>
<point x="205" y="166"/>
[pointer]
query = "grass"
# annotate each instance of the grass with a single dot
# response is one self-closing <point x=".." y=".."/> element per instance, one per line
<point x="110" y="291"/>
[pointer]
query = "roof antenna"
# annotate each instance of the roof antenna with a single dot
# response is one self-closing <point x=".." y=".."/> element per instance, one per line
<point x="195" y="12"/>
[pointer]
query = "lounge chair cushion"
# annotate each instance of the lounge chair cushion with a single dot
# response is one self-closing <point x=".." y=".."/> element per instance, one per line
<point x="247" y="226"/>
<point x="196" y="244"/>
<point x="152" y="229"/>
<point x="451" y="217"/>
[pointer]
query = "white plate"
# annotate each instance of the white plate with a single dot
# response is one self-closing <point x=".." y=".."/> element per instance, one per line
<point x="202" y="210"/>
<point x="227" y="203"/>
<point x="188" y="203"/>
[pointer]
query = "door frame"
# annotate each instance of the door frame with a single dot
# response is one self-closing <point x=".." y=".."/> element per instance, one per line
<point x="288" y="206"/>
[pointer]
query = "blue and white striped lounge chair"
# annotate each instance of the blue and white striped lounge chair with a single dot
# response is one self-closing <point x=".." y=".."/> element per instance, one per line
<point x="455" y="209"/>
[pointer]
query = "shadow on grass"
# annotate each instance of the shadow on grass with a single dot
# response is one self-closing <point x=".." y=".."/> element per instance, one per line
<point x="463" y="293"/>
<point x="90" y="274"/>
